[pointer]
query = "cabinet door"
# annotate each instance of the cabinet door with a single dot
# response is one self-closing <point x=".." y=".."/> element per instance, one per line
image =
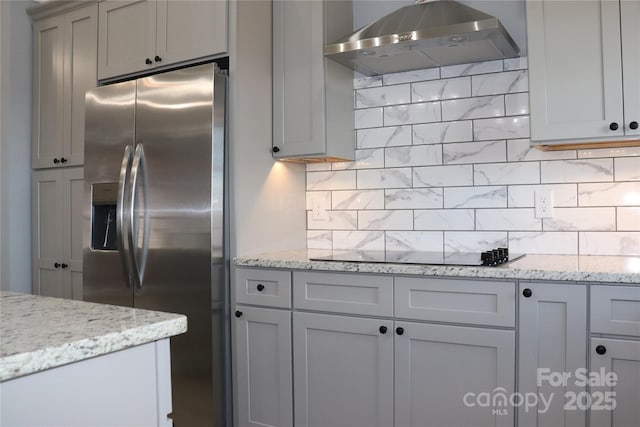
<point x="343" y="371"/>
<point x="72" y="212"/>
<point x="298" y="78"/>
<point x="263" y="367"/>
<point x="575" y="69"/>
<point x="438" y="368"/>
<point x="47" y="194"/>
<point x="630" y="15"/>
<point x="126" y="37"/>
<point x="622" y="358"/>
<point x="80" y="64"/>
<point x="207" y="29"/>
<point x="48" y="82"/>
<point x="553" y="333"/>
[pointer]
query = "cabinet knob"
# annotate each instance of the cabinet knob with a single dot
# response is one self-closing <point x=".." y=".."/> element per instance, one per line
<point x="399" y="331"/>
<point x="527" y="293"/>
<point x="238" y="313"/>
<point x="148" y="61"/>
<point x="63" y="160"/>
<point x="56" y="161"/>
<point x="601" y="349"/>
<point x="63" y="265"/>
<point x="383" y="329"/>
<point x="613" y="126"/>
<point x="56" y="265"/>
<point x="275" y="149"/>
<point x="157" y="59"/>
<point x="260" y="287"/>
<point x="633" y="125"/>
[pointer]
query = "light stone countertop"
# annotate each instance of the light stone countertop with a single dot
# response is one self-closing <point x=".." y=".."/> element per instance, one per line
<point x="592" y="269"/>
<point x="38" y="333"/>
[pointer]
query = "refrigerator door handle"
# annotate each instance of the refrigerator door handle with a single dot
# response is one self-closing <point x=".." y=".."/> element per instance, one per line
<point x="121" y="220"/>
<point x="138" y="175"/>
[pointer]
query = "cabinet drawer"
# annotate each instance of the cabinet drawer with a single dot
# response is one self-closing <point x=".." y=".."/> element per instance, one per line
<point x="263" y="287"/>
<point x="480" y="302"/>
<point x="346" y="293"/>
<point x="615" y="310"/>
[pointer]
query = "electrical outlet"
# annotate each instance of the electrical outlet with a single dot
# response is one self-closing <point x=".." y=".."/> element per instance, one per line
<point x="319" y="211"/>
<point x="544" y="203"/>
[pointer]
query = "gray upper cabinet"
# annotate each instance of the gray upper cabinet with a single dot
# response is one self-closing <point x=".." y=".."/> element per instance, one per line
<point x="584" y="68"/>
<point x="64" y="67"/>
<point x="141" y="35"/>
<point x="312" y="97"/>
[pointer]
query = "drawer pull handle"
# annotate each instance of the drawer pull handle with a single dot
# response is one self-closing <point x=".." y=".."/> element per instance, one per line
<point x="56" y="265"/>
<point x="527" y="293"/>
<point x="399" y="331"/>
<point x="633" y="125"/>
<point x="613" y="126"/>
<point x="601" y="349"/>
<point x="56" y="161"/>
<point x="148" y="61"/>
<point x="260" y="287"/>
<point x="383" y="329"/>
<point x="238" y="313"/>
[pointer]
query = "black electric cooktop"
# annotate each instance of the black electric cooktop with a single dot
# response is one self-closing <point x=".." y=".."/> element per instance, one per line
<point x="488" y="258"/>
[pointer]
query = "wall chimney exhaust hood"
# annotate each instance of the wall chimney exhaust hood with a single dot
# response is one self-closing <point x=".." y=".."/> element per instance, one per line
<point x="424" y="35"/>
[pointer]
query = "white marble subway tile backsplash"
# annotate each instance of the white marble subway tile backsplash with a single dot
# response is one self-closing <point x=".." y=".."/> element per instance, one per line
<point x="582" y="170"/>
<point x="506" y="173"/>
<point x="441" y="89"/>
<point x="444" y="219"/>
<point x="383" y="137"/>
<point x="493" y="84"/>
<point x="442" y="133"/>
<point x="628" y="218"/>
<point x="443" y="161"/>
<point x="474" y="152"/>
<point x="357" y="199"/>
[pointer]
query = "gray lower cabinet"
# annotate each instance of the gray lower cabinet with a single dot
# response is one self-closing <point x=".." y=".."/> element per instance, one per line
<point x="621" y="357"/>
<point x="552" y="337"/>
<point x="263" y="367"/>
<point x="56" y="211"/>
<point x="343" y="371"/>
<point x="615" y="310"/>
<point x="441" y="371"/>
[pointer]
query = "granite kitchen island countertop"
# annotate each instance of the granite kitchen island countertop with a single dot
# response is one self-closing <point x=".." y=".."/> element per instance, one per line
<point x="38" y="333"/>
<point x="591" y="269"/>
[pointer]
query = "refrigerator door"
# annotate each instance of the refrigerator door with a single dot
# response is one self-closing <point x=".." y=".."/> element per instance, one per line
<point x="109" y="139"/>
<point x="175" y="126"/>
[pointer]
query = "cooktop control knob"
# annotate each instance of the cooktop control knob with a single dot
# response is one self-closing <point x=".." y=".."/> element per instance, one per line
<point x="487" y="258"/>
<point x="495" y="256"/>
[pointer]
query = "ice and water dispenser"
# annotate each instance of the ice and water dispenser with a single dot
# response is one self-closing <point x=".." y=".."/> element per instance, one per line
<point x="103" y="216"/>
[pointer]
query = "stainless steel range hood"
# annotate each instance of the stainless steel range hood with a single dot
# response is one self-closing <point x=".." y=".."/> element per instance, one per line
<point x="424" y="35"/>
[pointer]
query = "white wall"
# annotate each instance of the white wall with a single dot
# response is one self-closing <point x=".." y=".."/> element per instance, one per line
<point x="510" y="12"/>
<point x="15" y="146"/>
<point x="267" y="197"/>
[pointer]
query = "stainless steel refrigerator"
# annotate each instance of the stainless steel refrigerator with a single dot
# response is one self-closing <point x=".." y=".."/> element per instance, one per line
<point x="155" y="220"/>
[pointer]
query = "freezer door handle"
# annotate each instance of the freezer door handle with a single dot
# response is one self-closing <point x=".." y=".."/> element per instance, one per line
<point x="138" y="178"/>
<point x="121" y="220"/>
